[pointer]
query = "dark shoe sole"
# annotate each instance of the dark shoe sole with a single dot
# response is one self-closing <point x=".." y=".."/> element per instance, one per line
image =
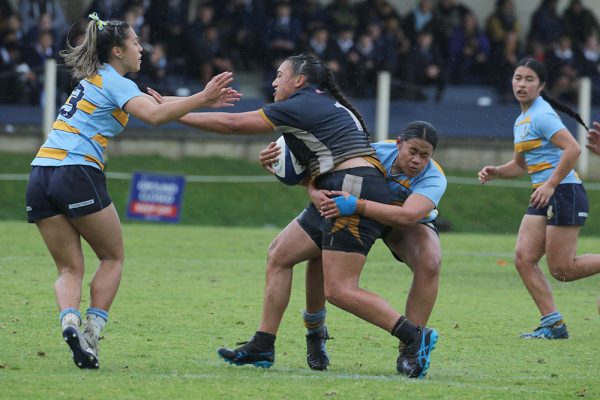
<point x="258" y="364"/>
<point x="81" y="358"/>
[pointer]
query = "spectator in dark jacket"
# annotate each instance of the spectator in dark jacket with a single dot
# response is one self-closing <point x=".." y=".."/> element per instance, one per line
<point x="580" y="22"/>
<point x="469" y="52"/>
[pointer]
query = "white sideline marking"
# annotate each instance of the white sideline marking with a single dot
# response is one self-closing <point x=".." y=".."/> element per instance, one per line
<point x="461" y="180"/>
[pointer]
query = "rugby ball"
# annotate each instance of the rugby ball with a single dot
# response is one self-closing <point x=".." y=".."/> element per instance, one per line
<point x="287" y="169"/>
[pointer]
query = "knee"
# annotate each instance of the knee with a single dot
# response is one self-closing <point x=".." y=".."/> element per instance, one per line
<point x="521" y="260"/>
<point x="430" y="268"/>
<point x="276" y="258"/>
<point x="561" y="271"/>
<point x="336" y="294"/>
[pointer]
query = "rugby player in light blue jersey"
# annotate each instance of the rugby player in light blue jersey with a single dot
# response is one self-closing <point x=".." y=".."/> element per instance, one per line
<point x="558" y="206"/>
<point x="418" y="184"/>
<point x="67" y="196"/>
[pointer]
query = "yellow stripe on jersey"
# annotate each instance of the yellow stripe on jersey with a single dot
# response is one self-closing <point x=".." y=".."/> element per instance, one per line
<point x="95" y="80"/>
<point x="56" y="154"/>
<point x="539" y="167"/>
<point x="405" y="182"/>
<point x="438" y="166"/>
<point x="376" y="163"/>
<point x="86" y="106"/>
<point x="397" y="203"/>
<point x="61" y="125"/>
<point x="94" y="160"/>
<point x="528" y="145"/>
<point x="525" y="121"/>
<point x="267" y="120"/>
<point x="121" y="116"/>
<point x="102" y="140"/>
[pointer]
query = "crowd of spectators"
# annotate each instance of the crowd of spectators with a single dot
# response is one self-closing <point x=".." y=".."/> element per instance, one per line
<point x="436" y="43"/>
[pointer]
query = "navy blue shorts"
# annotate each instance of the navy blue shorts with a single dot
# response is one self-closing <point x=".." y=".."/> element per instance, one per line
<point x="72" y="190"/>
<point x="568" y="206"/>
<point x="353" y="234"/>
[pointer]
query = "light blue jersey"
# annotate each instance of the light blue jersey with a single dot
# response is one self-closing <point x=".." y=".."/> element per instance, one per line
<point x="431" y="182"/>
<point x="533" y="131"/>
<point x="92" y="115"/>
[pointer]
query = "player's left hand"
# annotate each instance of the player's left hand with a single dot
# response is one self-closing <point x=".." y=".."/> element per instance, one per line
<point x="593" y="138"/>
<point x="541" y="196"/>
<point x="342" y="205"/>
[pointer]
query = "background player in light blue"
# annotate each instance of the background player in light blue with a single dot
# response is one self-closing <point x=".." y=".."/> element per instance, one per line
<point x="67" y="196"/>
<point x="558" y="207"/>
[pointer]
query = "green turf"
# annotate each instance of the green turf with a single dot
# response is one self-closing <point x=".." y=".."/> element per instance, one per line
<point x="188" y="290"/>
<point x="464" y="207"/>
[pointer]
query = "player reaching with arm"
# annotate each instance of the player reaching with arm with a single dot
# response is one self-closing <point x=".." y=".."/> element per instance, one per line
<point x="66" y="195"/>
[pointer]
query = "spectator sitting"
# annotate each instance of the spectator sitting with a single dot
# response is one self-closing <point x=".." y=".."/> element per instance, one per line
<point x="469" y="51"/>
<point x="591" y="64"/>
<point x="426" y="65"/>
<point x="450" y="15"/>
<point x="156" y="71"/>
<point x="340" y="13"/>
<point x="245" y="20"/>
<point x="502" y="22"/>
<point x="546" y="25"/>
<point x="282" y="35"/>
<point x="212" y="56"/>
<point x="579" y="22"/>
<point x="322" y="47"/>
<point x="31" y="11"/>
<point x="362" y="66"/>
<point x="419" y="19"/>
<point x="502" y="65"/>
<point x="563" y="62"/>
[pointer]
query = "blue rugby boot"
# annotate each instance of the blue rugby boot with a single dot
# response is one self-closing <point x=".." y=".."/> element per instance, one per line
<point x="414" y="358"/>
<point x="555" y="331"/>
<point x="316" y="352"/>
<point x="248" y="354"/>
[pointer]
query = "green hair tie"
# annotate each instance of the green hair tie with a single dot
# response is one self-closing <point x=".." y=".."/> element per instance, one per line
<point x="99" y="23"/>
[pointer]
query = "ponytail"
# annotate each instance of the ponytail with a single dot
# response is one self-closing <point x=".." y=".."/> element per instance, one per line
<point x="557" y="105"/>
<point x="86" y="58"/>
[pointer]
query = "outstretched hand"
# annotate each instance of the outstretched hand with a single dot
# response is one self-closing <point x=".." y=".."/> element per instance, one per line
<point x="157" y="96"/>
<point x="218" y="93"/>
<point x="268" y="156"/>
<point x="593" y="138"/>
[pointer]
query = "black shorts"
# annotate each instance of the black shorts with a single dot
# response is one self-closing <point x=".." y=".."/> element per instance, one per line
<point x="353" y="234"/>
<point x="568" y="206"/>
<point x="72" y="190"/>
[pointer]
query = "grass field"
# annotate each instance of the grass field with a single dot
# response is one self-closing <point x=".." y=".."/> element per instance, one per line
<point x="188" y="290"/>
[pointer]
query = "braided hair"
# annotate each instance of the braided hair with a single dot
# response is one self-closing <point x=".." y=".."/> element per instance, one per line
<point x="100" y="36"/>
<point x="540" y="71"/>
<point x="319" y="74"/>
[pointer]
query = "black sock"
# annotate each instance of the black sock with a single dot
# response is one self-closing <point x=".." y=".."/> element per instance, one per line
<point x="405" y="331"/>
<point x="264" y="341"/>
